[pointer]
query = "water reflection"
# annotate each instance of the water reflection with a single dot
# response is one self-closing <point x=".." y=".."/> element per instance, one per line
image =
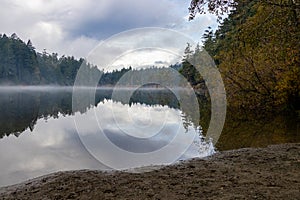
<point x="20" y="108"/>
<point x="47" y="138"/>
<point x="53" y="145"/>
<point x="244" y="129"/>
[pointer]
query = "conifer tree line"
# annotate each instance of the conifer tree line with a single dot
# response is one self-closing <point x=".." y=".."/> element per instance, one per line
<point x="20" y="64"/>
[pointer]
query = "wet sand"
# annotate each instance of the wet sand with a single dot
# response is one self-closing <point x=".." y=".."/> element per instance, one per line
<point x="252" y="173"/>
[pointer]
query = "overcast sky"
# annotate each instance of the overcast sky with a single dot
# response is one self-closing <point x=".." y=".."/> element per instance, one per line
<point x="74" y="27"/>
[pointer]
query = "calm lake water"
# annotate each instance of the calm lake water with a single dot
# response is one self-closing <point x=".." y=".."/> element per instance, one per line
<point x="41" y="133"/>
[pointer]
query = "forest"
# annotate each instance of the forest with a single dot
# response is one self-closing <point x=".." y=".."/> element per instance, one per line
<point x="257" y="50"/>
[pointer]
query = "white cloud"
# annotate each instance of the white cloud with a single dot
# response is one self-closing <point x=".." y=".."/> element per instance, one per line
<point x="145" y="58"/>
<point x="74" y="27"/>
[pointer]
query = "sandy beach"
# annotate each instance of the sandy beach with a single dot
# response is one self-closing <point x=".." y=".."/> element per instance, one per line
<point x="252" y="173"/>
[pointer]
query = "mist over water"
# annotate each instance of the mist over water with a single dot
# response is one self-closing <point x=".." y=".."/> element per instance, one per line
<point x="50" y="88"/>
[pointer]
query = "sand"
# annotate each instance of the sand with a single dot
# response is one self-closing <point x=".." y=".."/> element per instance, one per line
<point x="253" y="173"/>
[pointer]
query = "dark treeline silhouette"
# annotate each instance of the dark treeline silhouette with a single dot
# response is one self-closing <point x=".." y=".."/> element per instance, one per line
<point x="20" y="64"/>
<point x="18" y="61"/>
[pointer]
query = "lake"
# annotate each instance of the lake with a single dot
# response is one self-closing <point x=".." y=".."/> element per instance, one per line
<point x="41" y="132"/>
